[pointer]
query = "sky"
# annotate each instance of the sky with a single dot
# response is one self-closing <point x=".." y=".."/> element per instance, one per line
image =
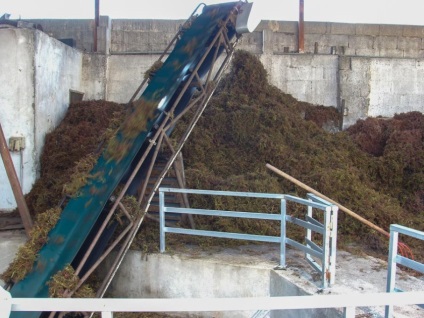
<point x="349" y="11"/>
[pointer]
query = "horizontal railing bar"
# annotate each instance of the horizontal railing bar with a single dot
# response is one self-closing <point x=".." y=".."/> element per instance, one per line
<point x="313" y="245"/>
<point x="235" y="214"/>
<point x="398" y="290"/>
<point x="313" y="221"/>
<point x="419" y="267"/>
<point x="314" y="264"/>
<point x="225" y="193"/>
<point x="303" y="248"/>
<point x="306" y="202"/>
<point x="237" y="236"/>
<point x="318" y="199"/>
<point x="407" y="231"/>
<point x="214" y="304"/>
<point x="305" y="224"/>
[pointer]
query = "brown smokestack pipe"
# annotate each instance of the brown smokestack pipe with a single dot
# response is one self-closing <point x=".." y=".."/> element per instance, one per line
<point x="301" y="40"/>
<point x="96" y="23"/>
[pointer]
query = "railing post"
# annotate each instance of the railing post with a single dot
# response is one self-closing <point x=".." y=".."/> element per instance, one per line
<point x="333" y="243"/>
<point x="349" y="312"/>
<point x="391" y="268"/>
<point x="308" y="231"/>
<point x="107" y="314"/>
<point x="162" y="220"/>
<point x="283" y="235"/>
<point x="325" y="261"/>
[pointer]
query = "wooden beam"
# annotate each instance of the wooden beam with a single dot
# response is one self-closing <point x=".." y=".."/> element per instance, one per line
<point x="14" y="183"/>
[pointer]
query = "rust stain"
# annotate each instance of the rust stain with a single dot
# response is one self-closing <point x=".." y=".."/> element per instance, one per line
<point x="87" y="204"/>
<point x="190" y="46"/>
<point x="58" y="240"/>
<point x="41" y="265"/>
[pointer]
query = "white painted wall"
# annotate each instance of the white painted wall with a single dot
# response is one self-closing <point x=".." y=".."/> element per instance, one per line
<point x="37" y="73"/>
<point x="58" y="69"/>
<point x="17" y="106"/>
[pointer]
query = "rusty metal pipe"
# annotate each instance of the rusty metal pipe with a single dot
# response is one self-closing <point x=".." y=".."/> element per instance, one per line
<point x="14" y="183"/>
<point x="96" y="23"/>
<point x="301" y="39"/>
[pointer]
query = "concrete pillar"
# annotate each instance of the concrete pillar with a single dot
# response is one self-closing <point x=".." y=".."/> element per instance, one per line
<point x="267" y="42"/>
<point x="104" y="35"/>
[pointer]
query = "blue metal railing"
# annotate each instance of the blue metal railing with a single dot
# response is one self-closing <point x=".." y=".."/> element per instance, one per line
<point x="321" y="256"/>
<point x="395" y="259"/>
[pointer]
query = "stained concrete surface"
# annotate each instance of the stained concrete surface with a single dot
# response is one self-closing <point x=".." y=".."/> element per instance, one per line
<point x="355" y="274"/>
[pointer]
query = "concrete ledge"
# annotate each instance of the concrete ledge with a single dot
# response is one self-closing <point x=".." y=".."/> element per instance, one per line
<point x="367" y="29"/>
<point x="248" y="271"/>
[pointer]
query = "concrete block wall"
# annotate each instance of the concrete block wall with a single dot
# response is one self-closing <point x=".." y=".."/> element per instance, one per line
<point x="38" y="72"/>
<point x="94" y="76"/>
<point x="348" y="39"/>
<point x="126" y="73"/>
<point x="308" y="77"/>
<point x="152" y="36"/>
<point x="81" y="30"/>
<point x="371" y="87"/>
<point x="142" y="36"/>
<point x="214" y="276"/>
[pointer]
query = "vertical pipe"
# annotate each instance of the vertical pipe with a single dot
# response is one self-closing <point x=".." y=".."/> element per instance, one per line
<point x="391" y="268"/>
<point x="96" y="23"/>
<point x="333" y="240"/>
<point x="301" y="40"/>
<point x="283" y="234"/>
<point x="14" y="183"/>
<point x="162" y="220"/>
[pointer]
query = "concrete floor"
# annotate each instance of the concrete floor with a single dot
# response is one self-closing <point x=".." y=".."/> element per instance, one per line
<point x="354" y="273"/>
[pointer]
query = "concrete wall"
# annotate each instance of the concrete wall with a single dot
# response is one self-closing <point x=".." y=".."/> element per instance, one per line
<point x="371" y="87"/>
<point x="341" y="67"/>
<point x="94" y="76"/>
<point x="147" y="36"/>
<point x="58" y="69"/>
<point x="38" y="72"/>
<point x="308" y="77"/>
<point x="152" y="36"/>
<point x="126" y="73"/>
<point x="17" y="107"/>
<point x="378" y="40"/>
<point x="166" y="276"/>
<point x="80" y="30"/>
<point x="223" y="276"/>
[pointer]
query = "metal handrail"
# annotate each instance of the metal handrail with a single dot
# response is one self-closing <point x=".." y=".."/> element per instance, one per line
<point x="325" y="253"/>
<point x="107" y="307"/>
<point x="395" y="259"/>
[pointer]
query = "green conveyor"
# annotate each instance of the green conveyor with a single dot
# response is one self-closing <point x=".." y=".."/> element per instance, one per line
<point x="81" y="213"/>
